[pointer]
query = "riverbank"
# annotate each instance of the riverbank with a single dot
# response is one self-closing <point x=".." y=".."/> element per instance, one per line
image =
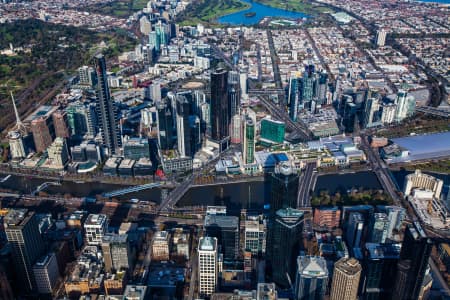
<point x="297" y="6"/>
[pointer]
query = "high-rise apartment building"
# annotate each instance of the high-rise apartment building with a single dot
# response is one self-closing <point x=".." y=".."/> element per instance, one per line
<point x="345" y="283"/>
<point x="42" y="135"/>
<point x="207" y="265"/>
<point x="183" y="128"/>
<point x="60" y="123"/>
<point x="312" y="278"/>
<point x="22" y="232"/>
<point x="108" y="118"/>
<point x="220" y="120"/>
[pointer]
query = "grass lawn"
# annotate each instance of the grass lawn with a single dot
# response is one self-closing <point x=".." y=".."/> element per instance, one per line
<point x="207" y="11"/>
<point x="296" y="5"/>
<point x="120" y="8"/>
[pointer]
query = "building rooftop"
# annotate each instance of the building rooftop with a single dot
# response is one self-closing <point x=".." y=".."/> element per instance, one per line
<point x="43" y="261"/>
<point x="96" y="219"/>
<point x="17" y="217"/>
<point x="383" y="251"/>
<point x="266" y="291"/>
<point x="44" y="111"/>
<point x="289" y="212"/>
<point x="135" y="292"/>
<point x="161" y="236"/>
<point x="207" y="244"/>
<point x="115" y="238"/>
<point x="312" y="266"/>
<point x="349" y="266"/>
<point x="222" y="221"/>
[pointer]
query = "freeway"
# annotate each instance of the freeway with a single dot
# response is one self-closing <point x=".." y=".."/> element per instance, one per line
<point x="305" y="182"/>
<point x="440" y="112"/>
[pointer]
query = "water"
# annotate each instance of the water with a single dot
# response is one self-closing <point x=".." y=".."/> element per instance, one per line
<point x="261" y="11"/>
<point x="436" y="1"/>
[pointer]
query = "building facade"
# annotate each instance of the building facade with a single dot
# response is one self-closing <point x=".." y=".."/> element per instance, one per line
<point x="207" y="265"/>
<point x="345" y="283"/>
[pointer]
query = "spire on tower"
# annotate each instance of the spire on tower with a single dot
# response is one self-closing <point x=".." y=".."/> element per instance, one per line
<point x="20" y="126"/>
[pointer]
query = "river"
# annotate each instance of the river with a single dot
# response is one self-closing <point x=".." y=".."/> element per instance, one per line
<point x="262" y="11"/>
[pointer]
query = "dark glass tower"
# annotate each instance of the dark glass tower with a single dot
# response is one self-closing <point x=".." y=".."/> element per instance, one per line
<point x="22" y="232"/>
<point x="414" y="256"/>
<point x="284" y="187"/>
<point x="234" y="93"/>
<point x="284" y="242"/>
<point x="183" y="126"/>
<point x="165" y="125"/>
<point x="108" y="118"/>
<point x="220" y="121"/>
<point x="226" y="230"/>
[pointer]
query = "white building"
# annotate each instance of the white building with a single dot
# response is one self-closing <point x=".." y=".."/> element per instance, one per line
<point x="16" y="145"/>
<point x="155" y="91"/>
<point x="207" y="265"/>
<point x="255" y="236"/>
<point x="95" y="228"/>
<point x="202" y="62"/>
<point x="145" y="26"/>
<point x="406" y="105"/>
<point x="46" y="273"/>
<point x="381" y="37"/>
<point x="58" y="154"/>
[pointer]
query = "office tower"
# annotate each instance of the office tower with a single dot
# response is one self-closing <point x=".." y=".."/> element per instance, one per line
<point x="355" y="230"/>
<point x="16" y="146"/>
<point x="41" y="134"/>
<point x="82" y="119"/>
<point x="136" y="148"/>
<point x="372" y="113"/>
<point x="380" y="265"/>
<point x="312" y="278"/>
<point x="46" y="273"/>
<point x="162" y="33"/>
<point x="95" y="228"/>
<point x="86" y="76"/>
<point x="293" y="97"/>
<point x="233" y="94"/>
<point x="207" y="265"/>
<point x="22" y="232"/>
<point x="195" y="134"/>
<point x="379" y="228"/>
<point x="272" y="131"/>
<point x="165" y="125"/>
<point x="255" y="236"/>
<point x="117" y="253"/>
<point x="226" y="230"/>
<point x="413" y="263"/>
<point x="346" y="275"/>
<point x="220" y="120"/>
<point x="322" y="88"/>
<point x="396" y="215"/>
<point x="307" y="87"/>
<point x="349" y="117"/>
<point x="283" y="187"/>
<point x="108" y="120"/>
<point x="248" y="151"/>
<point x="60" y="123"/>
<point x="283" y="244"/>
<point x="183" y="128"/>
<point x="381" y="37"/>
<point x="406" y="106"/>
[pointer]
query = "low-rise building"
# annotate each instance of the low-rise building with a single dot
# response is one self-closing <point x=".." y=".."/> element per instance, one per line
<point x="161" y="245"/>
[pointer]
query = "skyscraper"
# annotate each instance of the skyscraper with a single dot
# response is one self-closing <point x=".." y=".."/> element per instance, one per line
<point x="312" y="278"/>
<point x="248" y="151"/>
<point x="307" y="86"/>
<point x="234" y="93"/>
<point x="406" y="106"/>
<point x="379" y="227"/>
<point x="283" y="187"/>
<point x="207" y="265"/>
<point x="346" y="275"/>
<point x="413" y="263"/>
<point x="60" y="123"/>
<point x="42" y="134"/>
<point x="183" y="128"/>
<point x="220" y="120"/>
<point x="226" y="230"/>
<point x="355" y="230"/>
<point x="284" y="241"/>
<point x="108" y="119"/>
<point x="16" y="145"/>
<point x="22" y="232"/>
<point x="165" y="125"/>
<point x="293" y="97"/>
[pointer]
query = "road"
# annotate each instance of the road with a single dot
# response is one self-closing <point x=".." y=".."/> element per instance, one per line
<point x="305" y="182"/>
<point x="274" y="57"/>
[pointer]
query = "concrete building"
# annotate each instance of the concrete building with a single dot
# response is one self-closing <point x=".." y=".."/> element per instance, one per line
<point x="46" y="273"/>
<point x="58" y="154"/>
<point x="16" y="145"/>
<point x="255" y="236"/>
<point x="117" y="254"/>
<point x="345" y="283"/>
<point x="381" y="37"/>
<point x="60" y="123"/>
<point x="207" y="265"/>
<point x="41" y="134"/>
<point x="95" y="227"/>
<point x="22" y="232"/>
<point x="226" y="230"/>
<point x="135" y="292"/>
<point x="312" y="278"/>
<point x="161" y="245"/>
